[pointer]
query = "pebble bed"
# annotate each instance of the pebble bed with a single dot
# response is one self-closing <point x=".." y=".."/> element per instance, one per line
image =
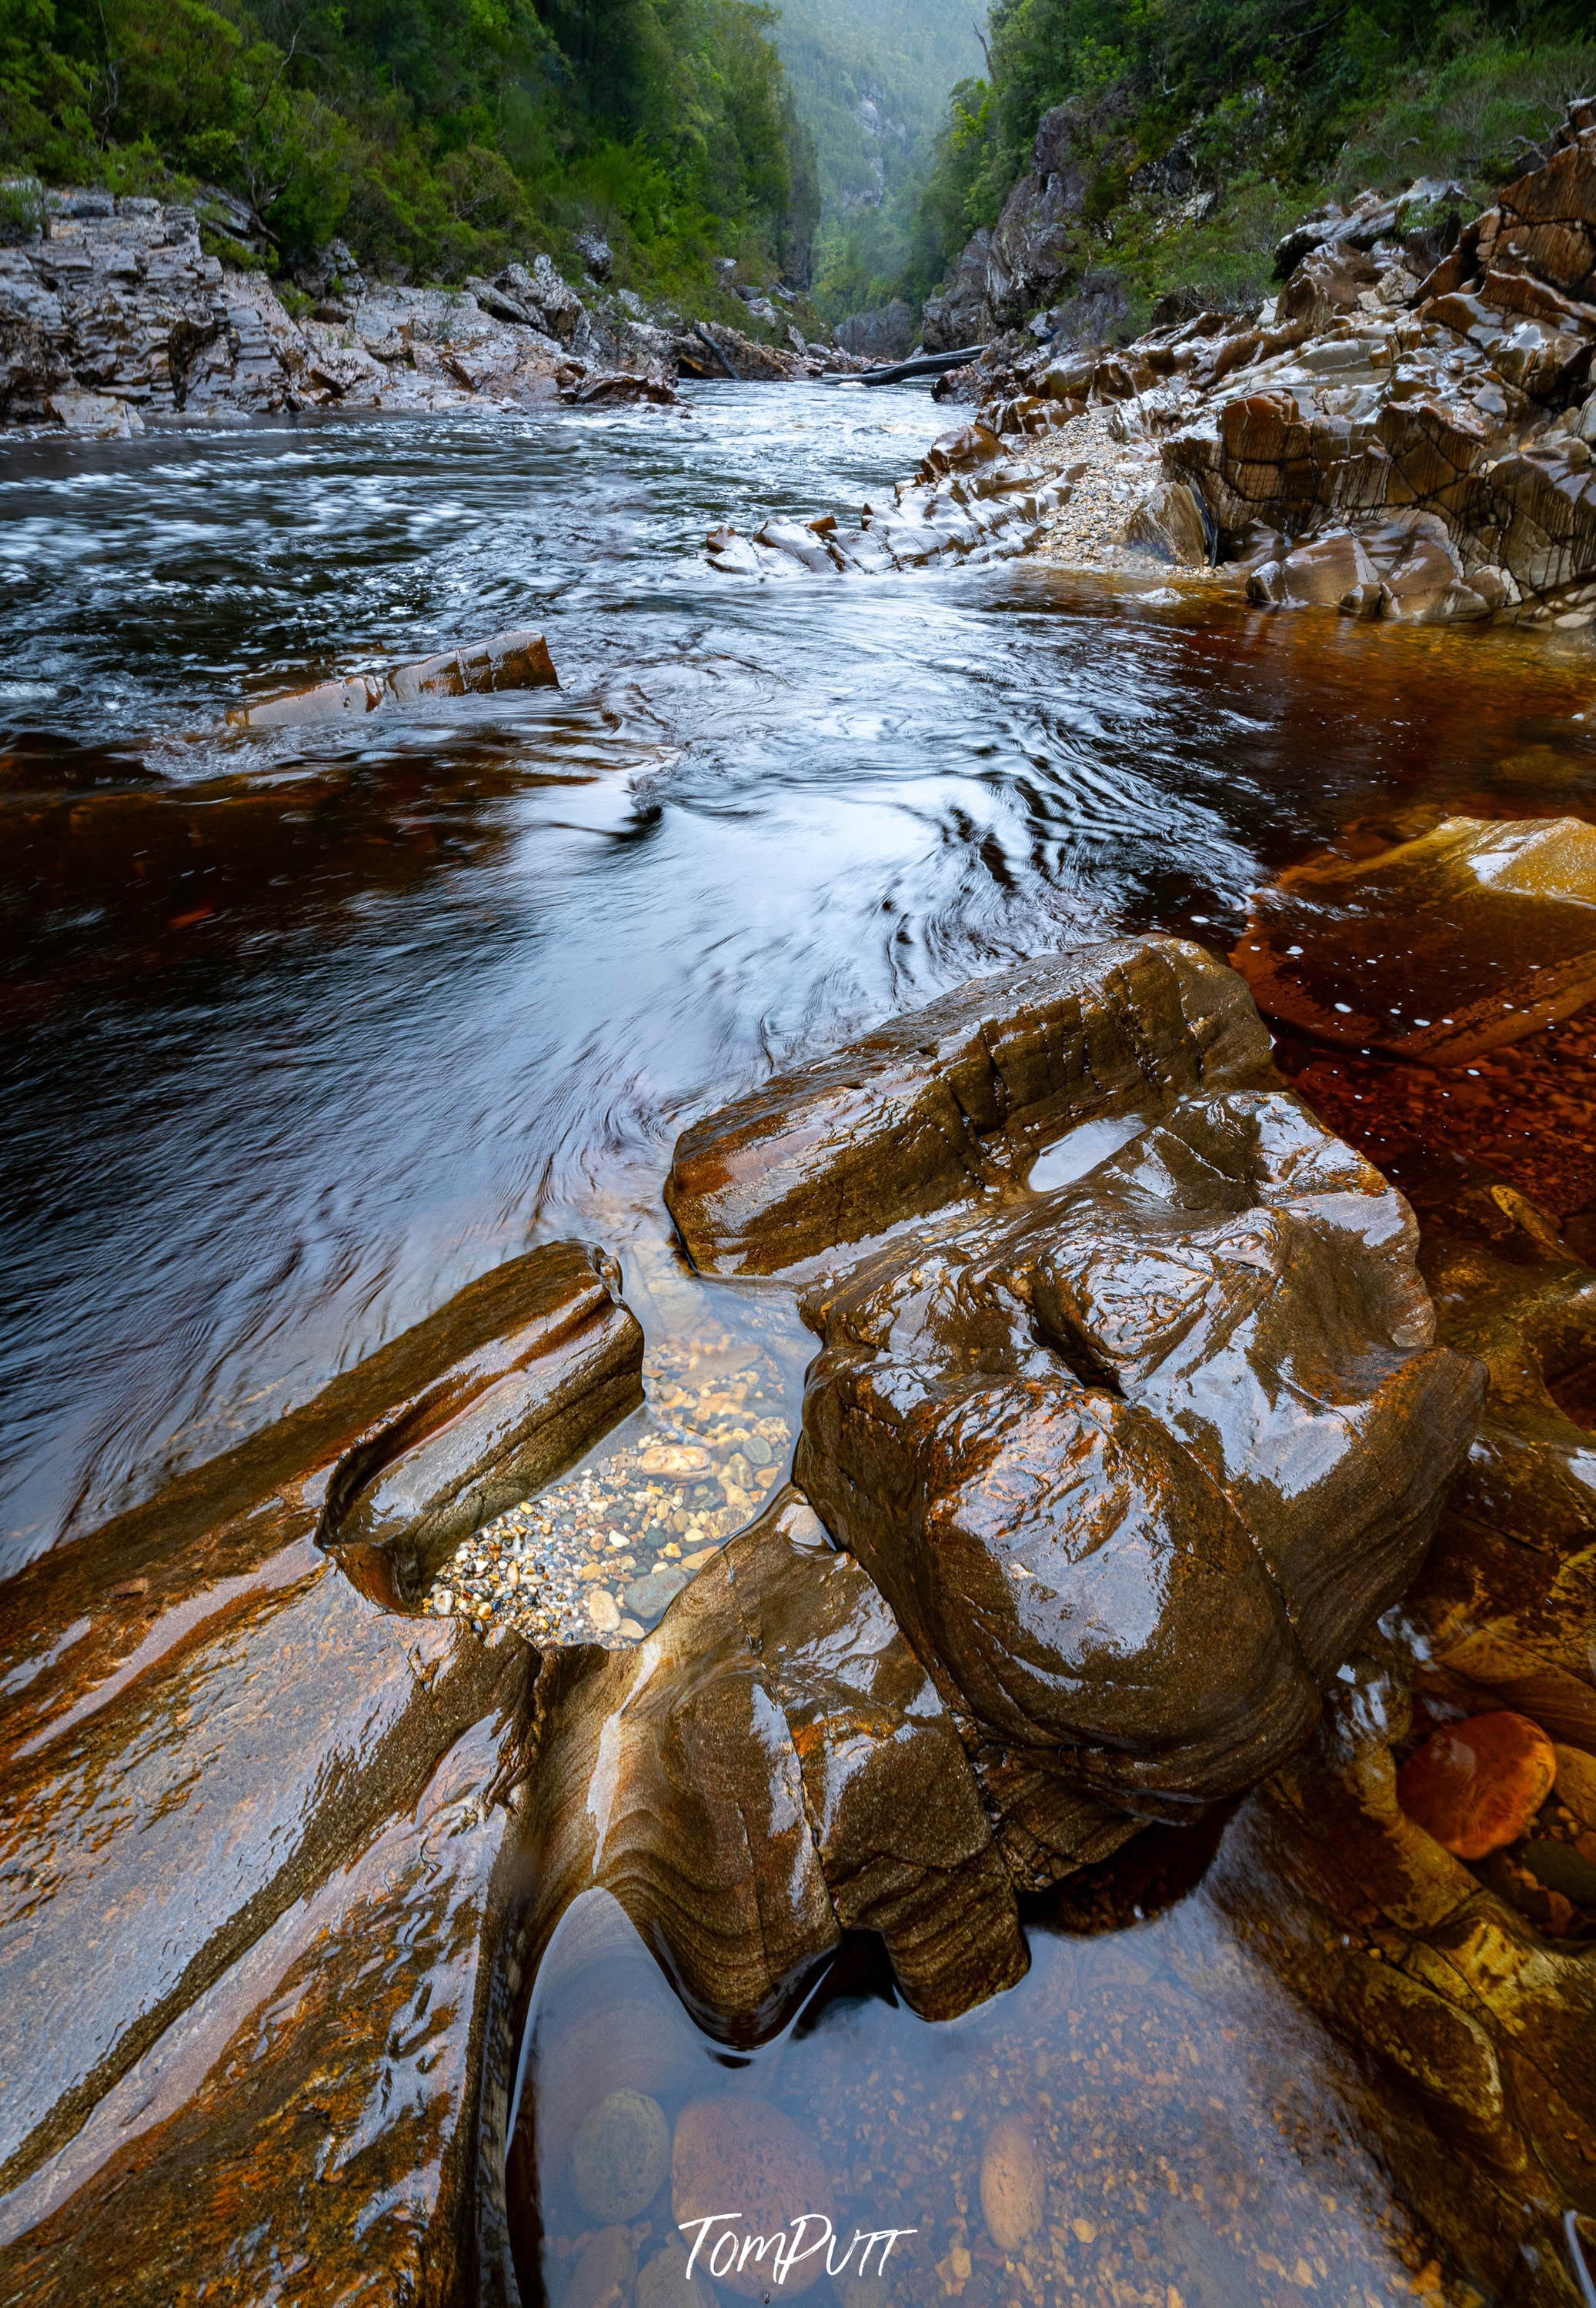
<point x="598" y="1555"/>
<point x="1108" y="478"/>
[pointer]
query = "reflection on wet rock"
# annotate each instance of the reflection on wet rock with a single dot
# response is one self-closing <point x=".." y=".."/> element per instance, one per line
<point x="268" y="1805"/>
<point x="1136" y="1454"/>
<point x="1137" y="1463"/>
<point x="1475" y="936"/>
<point x="440" y="1464"/>
<point x="770" y="1767"/>
<point x="947" y="1101"/>
<point x="510" y="661"/>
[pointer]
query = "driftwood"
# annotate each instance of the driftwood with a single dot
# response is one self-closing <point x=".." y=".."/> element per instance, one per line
<point x="921" y="365"/>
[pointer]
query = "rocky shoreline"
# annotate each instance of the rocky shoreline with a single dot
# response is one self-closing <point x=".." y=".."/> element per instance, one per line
<point x="112" y="314"/>
<point x="1384" y="446"/>
<point x="1140" y="1400"/>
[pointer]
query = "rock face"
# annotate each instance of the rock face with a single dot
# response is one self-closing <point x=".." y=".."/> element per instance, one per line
<point x="266" y="1804"/>
<point x="1136" y="1440"/>
<point x="1405" y="433"/>
<point x="514" y="660"/>
<point x="770" y="1767"/>
<point x="884" y="334"/>
<point x="113" y="313"/>
<point x="1474" y="935"/>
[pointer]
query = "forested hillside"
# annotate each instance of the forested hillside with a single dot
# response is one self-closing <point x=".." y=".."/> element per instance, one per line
<point x="436" y="136"/>
<point x="1207" y="127"/>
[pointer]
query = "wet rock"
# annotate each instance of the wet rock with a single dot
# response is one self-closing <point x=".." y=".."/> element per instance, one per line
<point x="646" y="1597"/>
<point x="1477" y="1785"/>
<point x="1472" y="936"/>
<point x="510" y="660"/>
<point x="1013" y="2183"/>
<point x="957" y="1098"/>
<point x="268" y="1804"/>
<point x="1169" y="522"/>
<point x="663" y="2282"/>
<point x="733" y="2151"/>
<point x="620" y="2156"/>
<point x="977" y="515"/>
<point x="1016" y="1417"/>
<point x="769" y="1767"/>
<point x="1576" y="1782"/>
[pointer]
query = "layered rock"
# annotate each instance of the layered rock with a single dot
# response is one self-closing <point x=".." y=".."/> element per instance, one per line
<point x="770" y="1767"/>
<point x="503" y="661"/>
<point x="114" y="313"/>
<point x="1375" y="441"/>
<point x="1135" y="1440"/>
<point x="267" y="1804"/>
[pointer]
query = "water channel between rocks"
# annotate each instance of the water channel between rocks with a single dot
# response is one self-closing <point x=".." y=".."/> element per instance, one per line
<point x="306" y="1031"/>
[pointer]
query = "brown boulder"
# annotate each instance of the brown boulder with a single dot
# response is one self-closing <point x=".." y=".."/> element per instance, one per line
<point x="512" y="660"/>
<point x="734" y="2152"/>
<point x="1327" y="283"/>
<point x="1474" y="935"/>
<point x="957" y="1098"/>
<point x="1137" y="1461"/>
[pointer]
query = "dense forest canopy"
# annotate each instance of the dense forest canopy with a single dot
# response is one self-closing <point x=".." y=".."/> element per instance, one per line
<point x="1271" y="104"/>
<point x="436" y="136"/>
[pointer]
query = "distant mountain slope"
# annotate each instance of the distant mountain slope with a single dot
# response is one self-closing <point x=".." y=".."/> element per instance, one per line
<point x="871" y="79"/>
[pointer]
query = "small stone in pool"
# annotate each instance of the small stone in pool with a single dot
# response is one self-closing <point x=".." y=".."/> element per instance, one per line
<point x="620" y="2156"/>
<point x="603" y="1611"/>
<point x="648" y="1595"/>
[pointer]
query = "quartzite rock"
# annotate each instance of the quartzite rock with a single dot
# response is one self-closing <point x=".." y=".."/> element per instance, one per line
<point x="1474" y="935"/>
<point x="769" y="1767"/>
<point x="954" y="1099"/>
<point x="1137" y="1461"/>
<point x="512" y="660"/>
<point x="266" y="1804"/>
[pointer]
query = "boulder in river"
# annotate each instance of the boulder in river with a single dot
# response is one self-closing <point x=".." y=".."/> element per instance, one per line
<point x="1128" y="1399"/>
<point x="509" y="660"/>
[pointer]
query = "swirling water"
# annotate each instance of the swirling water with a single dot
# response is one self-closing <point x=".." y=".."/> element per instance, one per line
<point x="305" y="1030"/>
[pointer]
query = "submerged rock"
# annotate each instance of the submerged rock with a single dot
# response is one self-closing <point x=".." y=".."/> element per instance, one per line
<point x="510" y="660"/>
<point x="1474" y="935"/>
<point x="1477" y="1785"/>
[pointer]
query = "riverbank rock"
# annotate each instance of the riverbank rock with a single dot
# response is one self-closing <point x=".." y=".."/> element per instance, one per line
<point x="1472" y="936"/>
<point x="1404" y="432"/>
<point x="513" y="661"/>
<point x="1128" y="1400"/>
<point x="769" y="1767"/>
<point x="111" y="313"/>
<point x="267" y="1804"/>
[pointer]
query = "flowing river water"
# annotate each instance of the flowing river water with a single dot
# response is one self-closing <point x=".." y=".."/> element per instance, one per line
<point x="305" y="1030"/>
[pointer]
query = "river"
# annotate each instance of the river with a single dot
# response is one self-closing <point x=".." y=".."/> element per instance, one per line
<point x="348" y="1017"/>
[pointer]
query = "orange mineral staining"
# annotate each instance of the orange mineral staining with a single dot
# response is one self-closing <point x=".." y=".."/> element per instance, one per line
<point x="1476" y="1785"/>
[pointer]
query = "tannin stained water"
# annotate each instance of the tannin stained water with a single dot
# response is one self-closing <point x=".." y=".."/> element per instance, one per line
<point x="306" y="1030"/>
